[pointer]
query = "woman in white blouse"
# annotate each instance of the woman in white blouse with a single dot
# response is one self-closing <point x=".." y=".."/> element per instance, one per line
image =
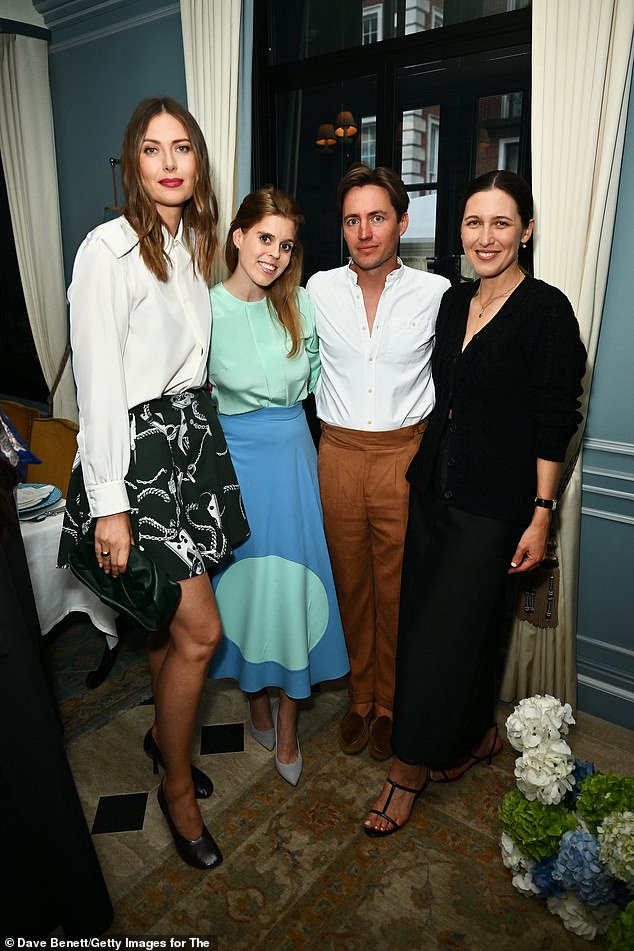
<point x="276" y="596"/>
<point x="153" y="469"/>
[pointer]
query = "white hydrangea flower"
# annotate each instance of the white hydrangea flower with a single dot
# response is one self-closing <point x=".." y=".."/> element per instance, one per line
<point x="581" y="919"/>
<point x="523" y="882"/>
<point x="538" y="720"/>
<point x="575" y="915"/>
<point x="512" y="858"/>
<point x="546" y="773"/>
<point x="616" y="846"/>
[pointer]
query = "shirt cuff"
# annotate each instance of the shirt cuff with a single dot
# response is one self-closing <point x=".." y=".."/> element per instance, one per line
<point x="107" y="498"/>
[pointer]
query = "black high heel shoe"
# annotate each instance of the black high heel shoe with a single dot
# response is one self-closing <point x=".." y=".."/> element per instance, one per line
<point x="203" y="786"/>
<point x="202" y="852"/>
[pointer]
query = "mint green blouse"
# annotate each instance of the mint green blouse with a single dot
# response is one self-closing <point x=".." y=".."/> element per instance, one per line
<point x="249" y="366"/>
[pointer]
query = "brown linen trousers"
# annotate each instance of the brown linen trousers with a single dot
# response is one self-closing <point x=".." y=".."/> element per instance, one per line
<point x="364" y="495"/>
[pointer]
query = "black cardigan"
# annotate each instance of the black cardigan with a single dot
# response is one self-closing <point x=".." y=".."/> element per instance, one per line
<point x="513" y="395"/>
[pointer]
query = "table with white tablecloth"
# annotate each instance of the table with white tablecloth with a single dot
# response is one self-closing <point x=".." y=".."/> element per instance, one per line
<point x="57" y="591"/>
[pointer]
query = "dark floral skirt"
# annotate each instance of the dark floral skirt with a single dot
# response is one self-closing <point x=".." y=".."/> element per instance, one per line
<point x="186" y="509"/>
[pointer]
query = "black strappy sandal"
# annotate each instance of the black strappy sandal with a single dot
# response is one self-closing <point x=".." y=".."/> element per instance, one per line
<point x="469" y="762"/>
<point x="381" y="833"/>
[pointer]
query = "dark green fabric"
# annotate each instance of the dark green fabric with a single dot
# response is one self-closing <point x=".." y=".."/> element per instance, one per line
<point x="144" y="592"/>
<point x="186" y="511"/>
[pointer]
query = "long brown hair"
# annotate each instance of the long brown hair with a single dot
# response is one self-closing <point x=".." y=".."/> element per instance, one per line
<point x="200" y="214"/>
<point x="282" y="294"/>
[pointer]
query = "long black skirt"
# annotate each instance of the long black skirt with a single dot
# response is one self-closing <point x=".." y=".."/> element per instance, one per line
<point x="455" y="606"/>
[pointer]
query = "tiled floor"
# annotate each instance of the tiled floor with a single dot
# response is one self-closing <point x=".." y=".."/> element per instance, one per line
<point x="117" y="786"/>
<point x="125" y="812"/>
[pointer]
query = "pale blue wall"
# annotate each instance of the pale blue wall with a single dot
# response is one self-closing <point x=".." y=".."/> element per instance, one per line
<point x="605" y="628"/>
<point x="102" y="62"/>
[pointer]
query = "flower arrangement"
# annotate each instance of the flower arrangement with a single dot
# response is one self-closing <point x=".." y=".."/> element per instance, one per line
<point x="568" y="830"/>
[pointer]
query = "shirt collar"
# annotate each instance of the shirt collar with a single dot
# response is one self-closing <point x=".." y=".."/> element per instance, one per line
<point x="170" y="241"/>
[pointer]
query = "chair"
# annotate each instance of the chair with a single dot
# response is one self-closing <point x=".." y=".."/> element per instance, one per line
<point x="54" y="441"/>
<point x="20" y="416"/>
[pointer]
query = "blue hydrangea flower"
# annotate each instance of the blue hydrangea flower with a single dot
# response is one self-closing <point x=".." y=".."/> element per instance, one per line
<point x="583" y="768"/>
<point x="579" y="869"/>
<point x="543" y="878"/>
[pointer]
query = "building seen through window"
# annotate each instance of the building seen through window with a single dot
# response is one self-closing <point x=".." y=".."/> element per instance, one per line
<point x="404" y="83"/>
<point x="302" y="30"/>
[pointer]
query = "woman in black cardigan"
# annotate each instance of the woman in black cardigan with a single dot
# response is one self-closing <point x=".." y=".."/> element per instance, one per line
<point x="507" y="368"/>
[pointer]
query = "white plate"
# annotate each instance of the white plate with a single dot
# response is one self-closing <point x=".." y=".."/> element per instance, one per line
<point x="30" y="500"/>
<point x="32" y="515"/>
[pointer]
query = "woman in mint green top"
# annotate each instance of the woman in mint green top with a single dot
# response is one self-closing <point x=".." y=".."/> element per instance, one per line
<point x="276" y="596"/>
<point x="249" y="364"/>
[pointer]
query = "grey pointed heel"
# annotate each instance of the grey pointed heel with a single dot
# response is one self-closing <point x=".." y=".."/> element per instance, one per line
<point x="288" y="771"/>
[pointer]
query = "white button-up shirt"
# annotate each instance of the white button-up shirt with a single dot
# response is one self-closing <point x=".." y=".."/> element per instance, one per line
<point x="375" y="381"/>
<point x="134" y="339"/>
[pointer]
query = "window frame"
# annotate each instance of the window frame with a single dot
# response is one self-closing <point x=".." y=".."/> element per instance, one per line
<point x="488" y="38"/>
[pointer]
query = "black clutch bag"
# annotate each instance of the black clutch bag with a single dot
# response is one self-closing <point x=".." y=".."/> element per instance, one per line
<point x="144" y="592"/>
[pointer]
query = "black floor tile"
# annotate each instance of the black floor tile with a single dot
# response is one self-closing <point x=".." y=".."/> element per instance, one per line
<point x="120" y="813"/>
<point x="222" y="738"/>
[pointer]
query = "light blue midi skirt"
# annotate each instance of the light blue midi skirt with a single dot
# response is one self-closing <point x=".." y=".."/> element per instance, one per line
<point x="276" y="595"/>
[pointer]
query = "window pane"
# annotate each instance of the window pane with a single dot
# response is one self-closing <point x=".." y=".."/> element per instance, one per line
<point x="498" y="133"/>
<point x="301" y="29"/>
<point x="418" y="136"/>
<point x="321" y="132"/>
<point x="419" y="241"/>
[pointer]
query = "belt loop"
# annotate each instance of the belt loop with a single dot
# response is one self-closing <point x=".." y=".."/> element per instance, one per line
<point x="422" y="426"/>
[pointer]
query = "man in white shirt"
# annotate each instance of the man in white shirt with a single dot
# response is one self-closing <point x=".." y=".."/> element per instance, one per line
<point x="375" y="321"/>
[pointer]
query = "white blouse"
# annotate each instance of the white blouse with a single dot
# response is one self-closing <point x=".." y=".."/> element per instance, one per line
<point x="134" y="339"/>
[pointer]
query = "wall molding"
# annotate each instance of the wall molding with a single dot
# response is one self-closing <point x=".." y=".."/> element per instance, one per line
<point x="608" y="445"/>
<point x="609" y="516"/>
<point x="121" y="26"/>
<point x="613" y="493"/>
<point x="603" y="645"/>
<point x="608" y="473"/>
<point x="611" y="689"/>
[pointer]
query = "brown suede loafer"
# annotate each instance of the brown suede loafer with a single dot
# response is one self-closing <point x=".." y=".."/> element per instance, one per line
<point x="354" y="731"/>
<point x="380" y="741"/>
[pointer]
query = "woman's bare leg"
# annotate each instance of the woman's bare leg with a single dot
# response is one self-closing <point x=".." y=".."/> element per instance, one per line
<point x="260" y="709"/>
<point x="178" y="681"/>
<point x="401" y="803"/>
<point x="287" y="750"/>
<point x="156" y="651"/>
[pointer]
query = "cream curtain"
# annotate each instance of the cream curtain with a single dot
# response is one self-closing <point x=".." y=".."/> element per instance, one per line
<point x="245" y="98"/>
<point x="27" y="145"/>
<point x="581" y="66"/>
<point x="211" y="43"/>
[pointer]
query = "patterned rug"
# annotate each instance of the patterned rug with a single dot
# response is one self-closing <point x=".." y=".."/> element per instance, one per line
<point x="71" y="653"/>
<point x="299" y="873"/>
